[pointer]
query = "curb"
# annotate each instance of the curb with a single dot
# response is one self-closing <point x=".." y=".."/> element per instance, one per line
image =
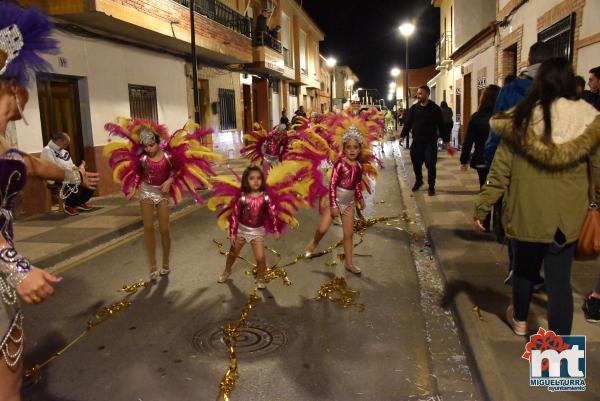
<point x="78" y="248"/>
<point x="480" y="390"/>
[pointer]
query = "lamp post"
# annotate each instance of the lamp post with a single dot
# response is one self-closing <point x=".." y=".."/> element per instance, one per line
<point x="331" y="62"/>
<point x="350" y="87"/>
<point x="194" y="66"/>
<point x="406" y="30"/>
<point x="395" y="73"/>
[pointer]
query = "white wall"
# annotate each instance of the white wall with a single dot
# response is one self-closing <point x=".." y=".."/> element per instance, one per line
<point x="109" y="68"/>
<point x="528" y="15"/>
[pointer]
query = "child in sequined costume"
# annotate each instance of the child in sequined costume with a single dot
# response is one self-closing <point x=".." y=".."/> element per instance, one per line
<point x="154" y="180"/>
<point x="345" y="191"/>
<point x="251" y="212"/>
<point x="275" y="145"/>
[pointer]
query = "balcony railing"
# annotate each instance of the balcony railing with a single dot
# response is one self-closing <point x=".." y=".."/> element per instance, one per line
<point x="266" y="39"/>
<point x="219" y="12"/>
<point x="287" y="58"/>
<point x="444" y="48"/>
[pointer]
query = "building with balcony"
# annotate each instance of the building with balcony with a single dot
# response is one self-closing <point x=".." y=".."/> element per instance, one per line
<point x="132" y="58"/>
<point x="465" y="57"/>
<point x="285" y="66"/>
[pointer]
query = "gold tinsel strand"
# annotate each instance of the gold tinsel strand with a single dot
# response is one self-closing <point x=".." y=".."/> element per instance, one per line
<point x="99" y="317"/>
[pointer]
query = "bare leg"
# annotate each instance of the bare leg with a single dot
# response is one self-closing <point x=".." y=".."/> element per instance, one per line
<point x="325" y="222"/>
<point x="10" y="378"/>
<point x="231" y="257"/>
<point x="163" y="229"/>
<point x="147" y="208"/>
<point x="258" y="248"/>
<point x="348" y="229"/>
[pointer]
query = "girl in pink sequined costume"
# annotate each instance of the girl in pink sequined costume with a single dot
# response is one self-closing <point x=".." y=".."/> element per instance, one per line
<point x="154" y="180"/>
<point x="252" y="211"/>
<point x="345" y="191"/>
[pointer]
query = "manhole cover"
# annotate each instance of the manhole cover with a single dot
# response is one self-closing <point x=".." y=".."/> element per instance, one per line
<point x="254" y="339"/>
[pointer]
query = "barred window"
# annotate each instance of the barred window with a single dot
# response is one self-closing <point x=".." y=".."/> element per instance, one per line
<point x="560" y="37"/>
<point x="227" y="109"/>
<point x="142" y="102"/>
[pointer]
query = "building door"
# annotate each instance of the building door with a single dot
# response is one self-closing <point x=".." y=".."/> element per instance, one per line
<point x="247" y="97"/>
<point x="275" y="102"/>
<point x="59" y="110"/>
<point x="205" y="107"/>
<point x="466" y="107"/>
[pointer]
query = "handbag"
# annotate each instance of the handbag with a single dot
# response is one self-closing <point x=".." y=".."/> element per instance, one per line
<point x="588" y="245"/>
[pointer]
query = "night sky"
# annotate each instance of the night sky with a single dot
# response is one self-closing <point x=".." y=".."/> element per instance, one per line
<point x="364" y="35"/>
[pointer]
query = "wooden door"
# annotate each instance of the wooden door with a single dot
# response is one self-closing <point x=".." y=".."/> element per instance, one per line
<point x="247" y="99"/>
<point x="60" y="112"/>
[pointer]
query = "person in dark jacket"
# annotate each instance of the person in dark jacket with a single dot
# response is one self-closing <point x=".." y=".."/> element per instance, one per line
<point x="477" y="133"/>
<point x="515" y="91"/>
<point x="424" y="119"/>
<point x="447" y="118"/>
<point x="593" y="95"/>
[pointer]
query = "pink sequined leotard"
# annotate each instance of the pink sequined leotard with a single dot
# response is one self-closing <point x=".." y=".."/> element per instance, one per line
<point x="345" y="183"/>
<point x="253" y="212"/>
<point x="151" y="175"/>
<point x="156" y="173"/>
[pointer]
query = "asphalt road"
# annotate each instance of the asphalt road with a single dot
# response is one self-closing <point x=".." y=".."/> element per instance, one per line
<point x="167" y="346"/>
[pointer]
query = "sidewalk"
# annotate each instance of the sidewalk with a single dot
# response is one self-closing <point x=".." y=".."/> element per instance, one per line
<point x="474" y="267"/>
<point x="52" y="237"/>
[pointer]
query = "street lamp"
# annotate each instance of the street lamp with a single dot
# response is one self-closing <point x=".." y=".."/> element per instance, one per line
<point x="331" y="62"/>
<point x="395" y="72"/>
<point x="406" y="30"/>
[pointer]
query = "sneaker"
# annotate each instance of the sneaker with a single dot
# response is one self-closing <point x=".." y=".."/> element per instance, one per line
<point x="508" y="278"/>
<point x="71" y="211"/>
<point x="153" y="276"/>
<point x="164" y="271"/>
<point x="519" y="328"/>
<point x="86" y="207"/>
<point x="591" y="309"/>
<point x="431" y="192"/>
<point x="417" y="186"/>
<point x="260" y="284"/>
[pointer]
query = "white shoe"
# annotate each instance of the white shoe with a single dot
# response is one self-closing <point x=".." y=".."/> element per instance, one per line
<point x="260" y="284"/>
<point x="353" y="269"/>
<point x="154" y="276"/>
<point x="519" y="328"/>
<point x="164" y="271"/>
<point x="223" y="277"/>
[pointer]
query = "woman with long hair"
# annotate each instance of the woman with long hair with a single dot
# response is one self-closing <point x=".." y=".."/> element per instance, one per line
<point x="477" y="133"/>
<point x="541" y="168"/>
<point x="24" y="36"/>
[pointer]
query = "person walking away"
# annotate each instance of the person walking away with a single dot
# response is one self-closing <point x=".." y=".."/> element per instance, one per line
<point x="76" y="197"/>
<point x="477" y="133"/>
<point x="591" y="304"/>
<point x="541" y="169"/>
<point x="593" y="95"/>
<point x="424" y="119"/>
<point x="509" y="96"/>
<point x="448" y="123"/>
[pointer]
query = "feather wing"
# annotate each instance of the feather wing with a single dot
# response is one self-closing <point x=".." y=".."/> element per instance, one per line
<point x="191" y="160"/>
<point x="226" y="190"/>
